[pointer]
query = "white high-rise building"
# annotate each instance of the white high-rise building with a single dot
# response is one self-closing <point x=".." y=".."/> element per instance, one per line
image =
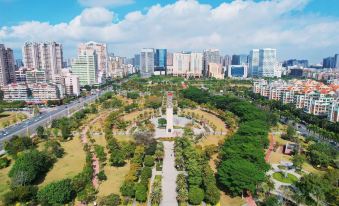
<point x="268" y="64"/>
<point x="187" y="64"/>
<point x="86" y="67"/>
<point x="7" y="66"/>
<point x="46" y="56"/>
<point x="210" y="56"/>
<point x="146" y="63"/>
<point x="102" y="57"/>
<point x="253" y="62"/>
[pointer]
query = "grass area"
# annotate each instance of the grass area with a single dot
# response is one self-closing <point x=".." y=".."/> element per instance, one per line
<point x="278" y="156"/>
<point x="4" y="180"/>
<point x="70" y="164"/>
<point x="133" y="115"/>
<point x="211" y="140"/>
<point x="9" y="118"/>
<point x="226" y="200"/>
<point x="220" y="125"/>
<point x="290" y="179"/>
<point x="309" y="168"/>
<point x="115" y="178"/>
<point x="124" y="137"/>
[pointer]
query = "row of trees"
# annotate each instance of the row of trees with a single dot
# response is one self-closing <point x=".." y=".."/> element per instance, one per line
<point x="242" y="166"/>
<point x="200" y="183"/>
<point x="320" y="125"/>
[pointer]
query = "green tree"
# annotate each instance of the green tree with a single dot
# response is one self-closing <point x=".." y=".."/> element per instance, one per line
<point x="149" y="161"/>
<point x="88" y="194"/>
<point x="321" y="154"/>
<point x="162" y="122"/>
<point x="195" y="195"/>
<point x="128" y="189"/>
<point x="20" y="194"/>
<point x="271" y="201"/>
<point x="29" y="166"/>
<point x="40" y="131"/>
<point x="234" y="175"/>
<point x="18" y="144"/>
<point x="141" y="192"/>
<point x="298" y="161"/>
<point x="55" y="193"/>
<point x="53" y="148"/>
<point x="117" y="158"/>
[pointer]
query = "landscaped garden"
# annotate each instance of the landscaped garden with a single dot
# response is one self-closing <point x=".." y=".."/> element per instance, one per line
<point x="285" y="178"/>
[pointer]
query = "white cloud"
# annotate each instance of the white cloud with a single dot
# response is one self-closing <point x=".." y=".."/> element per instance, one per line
<point x="104" y="3"/>
<point x="234" y="27"/>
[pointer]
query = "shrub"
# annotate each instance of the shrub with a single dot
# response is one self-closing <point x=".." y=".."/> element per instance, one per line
<point x="4" y="162"/>
<point x="149" y="161"/>
<point x="20" y="194"/>
<point x="195" y="195"/>
<point x="110" y="200"/>
<point x="102" y="176"/>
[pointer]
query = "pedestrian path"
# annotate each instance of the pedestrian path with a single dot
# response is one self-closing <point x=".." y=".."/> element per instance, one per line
<point x="169" y="176"/>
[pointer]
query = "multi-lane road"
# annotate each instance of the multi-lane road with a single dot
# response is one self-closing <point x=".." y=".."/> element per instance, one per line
<point x="29" y="126"/>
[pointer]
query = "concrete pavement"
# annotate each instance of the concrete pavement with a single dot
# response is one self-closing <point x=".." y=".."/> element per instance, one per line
<point x="169" y="176"/>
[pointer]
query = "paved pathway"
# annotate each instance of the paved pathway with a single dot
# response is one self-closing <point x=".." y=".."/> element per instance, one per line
<point x="270" y="149"/>
<point x="169" y="176"/>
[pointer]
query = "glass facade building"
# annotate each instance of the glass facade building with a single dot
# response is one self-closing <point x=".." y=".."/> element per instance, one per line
<point x="160" y="61"/>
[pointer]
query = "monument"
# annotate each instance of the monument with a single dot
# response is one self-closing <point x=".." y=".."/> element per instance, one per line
<point x="169" y="113"/>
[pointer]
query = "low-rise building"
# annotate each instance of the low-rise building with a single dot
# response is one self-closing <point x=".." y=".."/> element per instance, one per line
<point x="16" y="91"/>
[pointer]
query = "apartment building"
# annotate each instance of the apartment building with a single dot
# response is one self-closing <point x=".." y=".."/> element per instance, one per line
<point x="7" y="66"/>
<point x="333" y="115"/>
<point x="16" y="91"/>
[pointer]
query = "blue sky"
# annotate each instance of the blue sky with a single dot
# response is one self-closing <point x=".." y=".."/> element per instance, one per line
<point x="291" y="17"/>
<point x="56" y="11"/>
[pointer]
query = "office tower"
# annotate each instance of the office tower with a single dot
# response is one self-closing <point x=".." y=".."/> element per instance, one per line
<point x="268" y="64"/>
<point x="7" y="66"/>
<point x="136" y="62"/>
<point x="253" y="62"/>
<point x="46" y="56"/>
<point x="227" y="60"/>
<point x="210" y="56"/>
<point x="102" y="57"/>
<point x="328" y="62"/>
<point x="85" y="66"/>
<point x="146" y="63"/>
<point x="160" y="61"/>
<point x="239" y="59"/>
<point x="296" y="62"/>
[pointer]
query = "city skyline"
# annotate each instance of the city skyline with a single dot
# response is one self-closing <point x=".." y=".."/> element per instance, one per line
<point x="300" y="29"/>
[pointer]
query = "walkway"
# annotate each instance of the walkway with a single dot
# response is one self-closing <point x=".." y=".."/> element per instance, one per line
<point x="270" y="149"/>
<point x="169" y="176"/>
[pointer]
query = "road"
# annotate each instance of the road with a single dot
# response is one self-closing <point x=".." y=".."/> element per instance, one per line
<point x="29" y="126"/>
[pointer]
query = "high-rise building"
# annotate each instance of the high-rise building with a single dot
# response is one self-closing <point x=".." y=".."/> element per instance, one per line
<point x="169" y="59"/>
<point x="160" y="61"/>
<point x="227" y="60"/>
<point x="18" y="63"/>
<point x="210" y="56"/>
<point x="86" y="68"/>
<point x="146" y="63"/>
<point x="253" y="62"/>
<point x="102" y="57"/>
<point x="295" y="62"/>
<point x="216" y="71"/>
<point x="7" y="66"/>
<point x="188" y="64"/>
<point x="137" y="62"/>
<point x="46" y="56"/>
<point x="239" y="59"/>
<point x="268" y="64"/>
<point x="336" y="61"/>
<point x="329" y="62"/>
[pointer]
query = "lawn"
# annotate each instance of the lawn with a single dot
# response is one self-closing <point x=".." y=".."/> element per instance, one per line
<point x="9" y="118"/>
<point x="115" y="178"/>
<point x="309" y="168"/>
<point x="4" y="180"/>
<point x="133" y="115"/>
<point x="290" y="179"/>
<point x="70" y="164"/>
<point x="226" y="200"/>
<point x="220" y="125"/>
<point x="278" y="156"/>
<point x="211" y="140"/>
